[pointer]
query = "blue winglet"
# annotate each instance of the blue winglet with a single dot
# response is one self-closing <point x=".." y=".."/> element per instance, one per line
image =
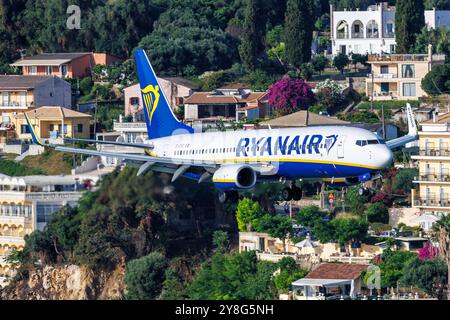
<point x="34" y="136"/>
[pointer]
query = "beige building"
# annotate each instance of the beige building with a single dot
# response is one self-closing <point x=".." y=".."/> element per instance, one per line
<point x="19" y="94"/>
<point x="399" y="76"/>
<point x="175" y="89"/>
<point x="53" y="123"/>
<point x="432" y="192"/>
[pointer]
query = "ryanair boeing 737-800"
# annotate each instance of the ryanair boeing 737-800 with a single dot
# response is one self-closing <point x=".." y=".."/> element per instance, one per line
<point x="236" y="160"/>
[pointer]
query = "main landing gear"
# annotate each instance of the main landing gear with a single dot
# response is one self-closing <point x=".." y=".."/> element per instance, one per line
<point x="228" y="196"/>
<point x="292" y="193"/>
<point x="364" y="191"/>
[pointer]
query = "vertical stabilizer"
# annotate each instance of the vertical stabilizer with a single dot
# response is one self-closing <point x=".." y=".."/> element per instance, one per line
<point x="161" y="122"/>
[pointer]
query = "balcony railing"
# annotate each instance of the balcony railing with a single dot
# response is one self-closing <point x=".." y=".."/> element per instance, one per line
<point x="442" y="175"/>
<point x="12" y="220"/>
<point x="435" y="152"/>
<point x="403" y="57"/>
<point x="12" y="104"/>
<point x="389" y="34"/>
<point x="342" y="35"/>
<point x="357" y="35"/>
<point x="22" y="195"/>
<point x="384" y="76"/>
<point x="386" y="94"/>
<point x="12" y="239"/>
<point x="123" y="126"/>
<point x="442" y="201"/>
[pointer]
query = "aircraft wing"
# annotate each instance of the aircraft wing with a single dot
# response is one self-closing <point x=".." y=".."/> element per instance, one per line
<point x="412" y="131"/>
<point x="136" y="157"/>
<point x="114" y="143"/>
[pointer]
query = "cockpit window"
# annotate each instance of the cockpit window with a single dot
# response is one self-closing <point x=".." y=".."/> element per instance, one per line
<point x="361" y="143"/>
<point x="373" y="142"/>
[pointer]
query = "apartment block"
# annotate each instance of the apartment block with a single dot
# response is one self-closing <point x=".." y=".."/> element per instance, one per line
<point x="64" y="65"/>
<point x="399" y="76"/>
<point x="28" y="203"/>
<point x="432" y="191"/>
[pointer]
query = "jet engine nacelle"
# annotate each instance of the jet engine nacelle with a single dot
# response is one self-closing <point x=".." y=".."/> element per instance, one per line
<point x="234" y="177"/>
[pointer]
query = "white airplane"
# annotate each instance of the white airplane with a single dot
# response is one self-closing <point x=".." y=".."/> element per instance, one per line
<point x="236" y="160"/>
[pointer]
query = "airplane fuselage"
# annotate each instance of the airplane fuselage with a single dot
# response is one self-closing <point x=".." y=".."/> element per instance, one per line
<point x="304" y="152"/>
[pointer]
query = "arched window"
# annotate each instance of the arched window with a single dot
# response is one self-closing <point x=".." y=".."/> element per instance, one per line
<point x="357" y="29"/>
<point x="342" y="30"/>
<point x="372" y="29"/>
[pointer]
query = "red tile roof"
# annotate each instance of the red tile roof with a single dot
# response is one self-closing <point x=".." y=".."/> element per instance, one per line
<point x="337" y="271"/>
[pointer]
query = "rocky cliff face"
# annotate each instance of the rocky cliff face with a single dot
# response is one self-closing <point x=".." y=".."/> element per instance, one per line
<point x="68" y="282"/>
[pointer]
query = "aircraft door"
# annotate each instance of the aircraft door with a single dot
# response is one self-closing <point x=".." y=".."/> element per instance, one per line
<point x="340" y="147"/>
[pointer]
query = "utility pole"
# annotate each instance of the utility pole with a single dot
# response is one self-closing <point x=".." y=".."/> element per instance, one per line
<point x="383" y="122"/>
<point x="371" y="98"/>
<point x="95" y="113"/>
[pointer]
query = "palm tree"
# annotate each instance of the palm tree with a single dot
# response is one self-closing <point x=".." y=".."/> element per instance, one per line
<point x="442" y="231"/>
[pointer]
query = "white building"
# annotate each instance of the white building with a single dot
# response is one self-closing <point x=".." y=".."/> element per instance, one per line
<point x="28" y="203"/>
<point x="372" y="31"/>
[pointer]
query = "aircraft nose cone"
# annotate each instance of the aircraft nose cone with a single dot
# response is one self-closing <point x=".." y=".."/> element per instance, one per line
<point x="385" y="157"/>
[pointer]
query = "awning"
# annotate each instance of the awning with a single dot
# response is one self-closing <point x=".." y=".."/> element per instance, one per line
<point x="321" y="282"/>
<point x="31" y="62"/>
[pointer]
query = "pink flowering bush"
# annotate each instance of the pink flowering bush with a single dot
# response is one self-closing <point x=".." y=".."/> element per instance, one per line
<point x="427" y="252"/>
<point x="289" y="95"/>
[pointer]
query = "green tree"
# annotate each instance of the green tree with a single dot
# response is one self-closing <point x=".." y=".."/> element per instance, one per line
<point x="359" y="58"/>
<point x="430" y="275"/>
<point x="319" y="63"/>
<point x="232" y="277"/>
<point x="221" y="240"/>
<point x="349" y="229"/>
<point x="391" y="266"/>
<point x="355" y="201"/>
<point x="377" y="212"/>
<point x="144" y="276"/>
<point x="248" y="213"/>
<point x="437" y="81"/>
<point x="409" y="20"/>
<point x="276" y="226"/>
<point x="437" y="4"/>
<point x="404" y="179"/>
<point x="252" y="34"/>
<point x="340" y="61"/>
<point x="289" y="272"/>
<point x="86" y="85"/>
<point x="442" y="233"/>
<point x="299" y="27"/>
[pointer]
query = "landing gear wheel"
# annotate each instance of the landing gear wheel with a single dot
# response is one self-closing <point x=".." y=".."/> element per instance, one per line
<point x="363" y="191"/>
<point x="222" y="197"/>
<point x="296" y="193"/>
<point x="228" y="196"/>
<point x="287" y="194"/>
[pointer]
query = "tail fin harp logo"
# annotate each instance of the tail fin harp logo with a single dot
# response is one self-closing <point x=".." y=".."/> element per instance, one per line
<point x="151" y="101"/>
